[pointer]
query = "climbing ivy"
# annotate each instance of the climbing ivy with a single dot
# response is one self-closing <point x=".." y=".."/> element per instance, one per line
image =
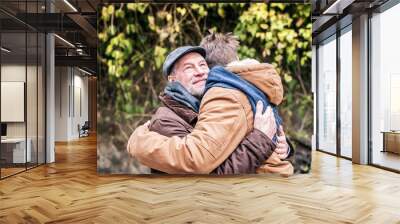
<point x="135" y="38"/>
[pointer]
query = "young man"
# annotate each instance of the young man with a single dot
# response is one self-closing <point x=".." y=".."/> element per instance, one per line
<point x="221" y="50"/>
<point x="225" y="118"/>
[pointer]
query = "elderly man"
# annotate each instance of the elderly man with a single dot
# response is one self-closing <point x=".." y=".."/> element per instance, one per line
<point x="225" y="119"/>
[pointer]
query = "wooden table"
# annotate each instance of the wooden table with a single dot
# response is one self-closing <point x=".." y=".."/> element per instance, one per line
<point x="391" y="141"/>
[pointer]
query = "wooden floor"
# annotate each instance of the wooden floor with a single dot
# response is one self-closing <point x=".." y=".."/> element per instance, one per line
<point x="70" y="191"/>
<point x="10" y="171"/>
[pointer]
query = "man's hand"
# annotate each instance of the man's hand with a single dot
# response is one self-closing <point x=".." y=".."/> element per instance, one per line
<point x="265" y="122"/>
<point x="147" y="124"/>
<point x="282" y="147"/>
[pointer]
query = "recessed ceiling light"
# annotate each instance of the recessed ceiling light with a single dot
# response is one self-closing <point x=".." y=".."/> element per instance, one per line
<point x="70" y="5"/>
<point x="65" y="41"/>
<point x="84" y="71"/>
<point x="337" y="7"/>
<point x="5" y="49"/>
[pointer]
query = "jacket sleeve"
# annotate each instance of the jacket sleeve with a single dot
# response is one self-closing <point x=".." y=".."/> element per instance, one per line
<point x="168" y="127"/>
<point x="275" y="165"/>
<point x="249" y="155"/>
<point x="221" y="126"/>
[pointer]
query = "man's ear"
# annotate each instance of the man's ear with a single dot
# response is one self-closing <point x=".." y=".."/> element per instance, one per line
<point x="171" y="78"/>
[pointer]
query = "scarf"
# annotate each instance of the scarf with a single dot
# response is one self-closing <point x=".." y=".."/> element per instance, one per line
<point x="179" y="93"/>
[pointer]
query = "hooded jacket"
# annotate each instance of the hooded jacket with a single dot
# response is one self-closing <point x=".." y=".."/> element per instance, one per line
<point x="222" y="77"/>
<point x="225" y="118"/>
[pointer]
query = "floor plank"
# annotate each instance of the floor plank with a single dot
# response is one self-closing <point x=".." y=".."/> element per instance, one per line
<point x="71" y="191"/>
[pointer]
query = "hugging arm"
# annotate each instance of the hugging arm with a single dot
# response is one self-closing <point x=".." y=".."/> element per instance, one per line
<point x="218" y="132"/>
<point x="249" y="155"/>
<point x="255" y="149"/>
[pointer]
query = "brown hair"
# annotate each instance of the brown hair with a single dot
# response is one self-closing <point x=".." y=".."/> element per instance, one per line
<point x="221" y="49"/>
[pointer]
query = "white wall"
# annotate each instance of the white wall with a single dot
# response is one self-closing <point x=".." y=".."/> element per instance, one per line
<point x="61" y="103"/>
<point x="34" y="125"/>
<point x="12" y="73"/>
<point x="71" y="93"/>
<point x="81" y="103"/>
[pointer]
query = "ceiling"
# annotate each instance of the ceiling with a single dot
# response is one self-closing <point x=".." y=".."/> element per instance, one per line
<point x="328" y="16"/>
<point x="74" y="22"/>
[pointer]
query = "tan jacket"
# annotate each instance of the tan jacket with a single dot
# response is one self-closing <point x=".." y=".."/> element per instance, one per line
<point x="225" y="118"/>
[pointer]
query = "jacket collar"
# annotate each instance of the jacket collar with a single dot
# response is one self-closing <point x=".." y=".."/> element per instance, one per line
<point x="181" y="110"/>
<point x="180" y="94"/>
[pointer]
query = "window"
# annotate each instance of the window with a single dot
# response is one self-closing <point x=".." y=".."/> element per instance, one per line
<point x="327" y="95"/>
<point x="346" y="92"/>
<point x="22" y="77"/>
<point x="385" y="89"/>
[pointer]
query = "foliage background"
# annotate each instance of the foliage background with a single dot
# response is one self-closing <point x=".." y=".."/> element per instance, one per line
<point x="135" y="38"/>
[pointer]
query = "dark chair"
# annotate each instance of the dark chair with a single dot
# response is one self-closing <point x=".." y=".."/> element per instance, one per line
<point x="84" y="130"/>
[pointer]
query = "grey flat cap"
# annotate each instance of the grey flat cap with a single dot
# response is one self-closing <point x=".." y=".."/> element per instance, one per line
<point x="176" y="54"/>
